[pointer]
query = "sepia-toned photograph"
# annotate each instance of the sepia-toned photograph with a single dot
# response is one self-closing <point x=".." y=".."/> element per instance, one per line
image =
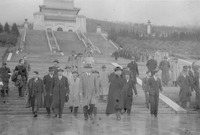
<point x="99" y="67"/>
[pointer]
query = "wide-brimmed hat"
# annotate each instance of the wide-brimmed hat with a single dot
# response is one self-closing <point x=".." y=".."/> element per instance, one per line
<point x="103" y="66"/>
<point x="88" y="66"/>
<point x="95" y="71"/>
<point x="51" y="69"/>
<point x="60" y="70"/>
<point x="74" y="72"/>
<point x="118" y="68"/>
<point x="36" y="72"/>
<point x="56" y="61"/>
<point x="67" y="67"/>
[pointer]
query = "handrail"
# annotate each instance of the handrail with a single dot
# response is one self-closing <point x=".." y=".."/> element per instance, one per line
<point x="78" y="35"/>
<point x="166" y="100"/>
<point x="55" y="41"/>
<point x="103" y="37"/>
<point x="84" y="43"/>
<point x="83" y="35"/>
<point x="111" y="42"/>
<point x="50" y="47"/>
<point x="95" y="47"/>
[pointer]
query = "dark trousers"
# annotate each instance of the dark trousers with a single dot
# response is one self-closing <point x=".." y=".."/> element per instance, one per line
<point x="154" y="104"/>
<point x="48" y="109"/>
<point x="197" y="98"/>
<point x="34" y="105"/>
<point x="88" y="111"/>
<point x="75" y="111"/>
<point x="134" y="88"/>
<point x="146" y="99"/>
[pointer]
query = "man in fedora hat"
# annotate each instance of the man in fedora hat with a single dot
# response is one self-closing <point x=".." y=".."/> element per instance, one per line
<point x="72" y="60"/>
<point x="154" y="86"/>
<point x="115" y="102"/>
<point x="88" y="90"/>
<point x="59" y="90"/>
<point x="35" y="91"/>
<point x="5" y="76"/>
<point x="74" y="95"/>
<point x="165" y="67"/>
<point x="48" y="79"/>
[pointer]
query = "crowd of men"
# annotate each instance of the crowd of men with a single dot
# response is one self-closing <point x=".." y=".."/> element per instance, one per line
<point x="186" y="78"/>
<point x="81" y="85"/>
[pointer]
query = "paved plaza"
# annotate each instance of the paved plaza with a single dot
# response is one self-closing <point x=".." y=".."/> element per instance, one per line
<point x="137" y="124"/>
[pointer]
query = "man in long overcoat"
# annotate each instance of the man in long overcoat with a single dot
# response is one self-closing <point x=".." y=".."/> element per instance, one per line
<point x="88" y="89"/>
<point x="35" y="91"/>
<point x="185" y="88"/>
<point x="133" y="66"/>
<point x="151" y="64"/>
<point x="174" y="71"/>
<point x="5" y="76"/>
<point x="74" y="95"/>
<point x="59" y="90"/>
<point x="154" y="86"/>
<point x="165" y="67"/>
<point x="48" y="79"/>
<point x="115" y="100"/>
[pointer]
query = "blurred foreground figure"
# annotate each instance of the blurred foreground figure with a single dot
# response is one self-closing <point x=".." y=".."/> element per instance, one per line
<point x="185" y="88"/>
<point x="154" y="84"/>
<point x="145" y="87"/>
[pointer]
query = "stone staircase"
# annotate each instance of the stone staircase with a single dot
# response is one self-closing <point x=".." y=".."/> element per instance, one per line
<point x="104" y="46"/>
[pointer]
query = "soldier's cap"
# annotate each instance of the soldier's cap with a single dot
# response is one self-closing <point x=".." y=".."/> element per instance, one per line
<point x="103" y="66"/>
<point x="88" y="66"/>
<point x="4" y="63"/>
<point x="67" y="67"/>
<point x="95" y="71"/>
<point x="51" y="68"/>
<point x="74" y="72"/>
<point x="118" y="68"/>
<point x="36" y="72"/>
<point x="56" y="61"/>
<point x="60" y="70"/>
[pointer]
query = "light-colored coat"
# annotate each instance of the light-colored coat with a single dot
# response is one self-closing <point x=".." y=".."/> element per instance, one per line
<point x="74" y="95"/>
<point x="88" y="88"/>
<point x="104" y="83"/>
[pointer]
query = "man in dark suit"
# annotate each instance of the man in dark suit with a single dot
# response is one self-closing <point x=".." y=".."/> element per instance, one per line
<point x="48" y="79"/>
<point x="133" y="66"/>
<point x="35" y="92"/>
<point x="154" y="84"/>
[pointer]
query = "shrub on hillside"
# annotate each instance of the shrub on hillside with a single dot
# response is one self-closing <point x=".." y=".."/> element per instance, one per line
<point x="6" y="28"/>
<point x="7" y="39"/>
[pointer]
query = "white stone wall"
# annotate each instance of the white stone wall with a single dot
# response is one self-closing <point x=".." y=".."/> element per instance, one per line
<point x="38" y="22"/>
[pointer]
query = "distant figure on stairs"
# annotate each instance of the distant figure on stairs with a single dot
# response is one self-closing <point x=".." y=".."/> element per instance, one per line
<point x="165" y="68"/>
<point x="79" y="62"/>
<point x="151" y="64"/>
<point x="35" y="93"/>
<point x="72" y="60"/>
<point x="5" y="76"/>
<point x="21" y="77"/>
<point x="89" y="60"/>
<point x="56" y="67"/>
<point x="27" y="65"/>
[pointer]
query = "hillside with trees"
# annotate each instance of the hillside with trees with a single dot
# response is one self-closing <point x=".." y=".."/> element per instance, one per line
<point x="176" y="40"/>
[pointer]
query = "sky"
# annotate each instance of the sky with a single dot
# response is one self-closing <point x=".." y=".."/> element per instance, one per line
<point x="160" y="12"/>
